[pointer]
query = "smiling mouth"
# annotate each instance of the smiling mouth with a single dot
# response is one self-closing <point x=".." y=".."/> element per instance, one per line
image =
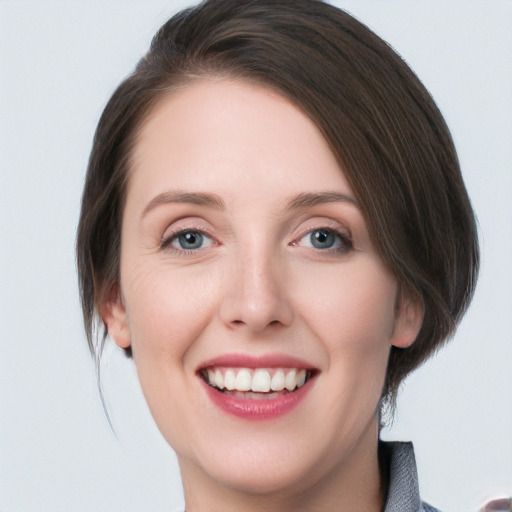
<point x="256" y="382"/>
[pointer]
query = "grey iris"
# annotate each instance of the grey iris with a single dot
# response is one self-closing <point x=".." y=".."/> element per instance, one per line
<point x="322" y="239"/>
<point x="190" y="240"/>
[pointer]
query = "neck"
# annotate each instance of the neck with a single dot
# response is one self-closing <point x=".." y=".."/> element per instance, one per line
<point x="354" y="483"/>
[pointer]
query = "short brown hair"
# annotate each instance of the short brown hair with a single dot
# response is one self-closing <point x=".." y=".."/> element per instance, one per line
<point x="379" y="120"/>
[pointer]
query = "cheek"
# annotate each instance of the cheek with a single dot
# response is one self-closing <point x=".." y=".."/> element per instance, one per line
<point x="167" y="309"/>
<point x="351" y="307"/>
<point x="359" y="312"/>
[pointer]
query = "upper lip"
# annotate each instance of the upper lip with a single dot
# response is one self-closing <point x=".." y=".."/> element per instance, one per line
<point x="256" y="361"/>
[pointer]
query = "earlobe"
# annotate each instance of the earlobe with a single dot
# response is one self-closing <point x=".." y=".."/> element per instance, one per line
<point x="409" y="319"/>
<point x="113" y="314"/>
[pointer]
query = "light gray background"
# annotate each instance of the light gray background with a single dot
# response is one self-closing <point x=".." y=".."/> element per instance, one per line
<point x="59" y="62"/>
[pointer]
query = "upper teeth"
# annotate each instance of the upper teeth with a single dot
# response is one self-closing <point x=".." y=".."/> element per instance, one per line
<point x="260" y="380"/>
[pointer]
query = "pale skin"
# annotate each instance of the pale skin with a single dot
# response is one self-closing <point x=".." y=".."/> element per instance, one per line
<point x="249" y="178"/>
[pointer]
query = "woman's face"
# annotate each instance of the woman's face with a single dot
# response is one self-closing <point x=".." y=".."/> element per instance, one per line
<point x="246" y="265"/>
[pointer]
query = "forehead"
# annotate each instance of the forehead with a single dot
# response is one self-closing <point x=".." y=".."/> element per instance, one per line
<point x="234" y="138"/>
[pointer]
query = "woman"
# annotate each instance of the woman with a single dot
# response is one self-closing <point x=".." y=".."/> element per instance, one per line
<point x="275" y="226"/>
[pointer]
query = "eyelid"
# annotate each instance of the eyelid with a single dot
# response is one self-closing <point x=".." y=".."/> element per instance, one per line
<point x="176" y="225"/>
<point x="343" y="236"/>
<point x="321" y="222"/>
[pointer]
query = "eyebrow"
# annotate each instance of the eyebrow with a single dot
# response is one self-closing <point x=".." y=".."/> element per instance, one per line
<point x="177" y="196"/>
<point x="309" y="199"/>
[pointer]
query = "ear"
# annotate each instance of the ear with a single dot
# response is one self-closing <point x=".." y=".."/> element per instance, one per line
<point x="113" y="314"/>
<point x="409" y="319"/>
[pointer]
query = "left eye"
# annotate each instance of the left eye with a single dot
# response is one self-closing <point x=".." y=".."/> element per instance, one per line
<point x="189" y="241"/>
<point x="324" y="239"/>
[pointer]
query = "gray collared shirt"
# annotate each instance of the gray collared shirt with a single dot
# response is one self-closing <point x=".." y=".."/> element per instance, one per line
<point x="403" y="491"/>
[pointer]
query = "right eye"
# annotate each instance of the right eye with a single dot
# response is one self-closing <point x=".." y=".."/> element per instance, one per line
<point x="187" y="240"/>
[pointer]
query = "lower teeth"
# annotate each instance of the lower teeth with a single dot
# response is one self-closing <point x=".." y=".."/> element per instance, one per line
<point x="253" y="395"/>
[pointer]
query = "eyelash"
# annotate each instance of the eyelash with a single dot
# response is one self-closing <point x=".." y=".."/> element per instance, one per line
<point x="343" y="241"/>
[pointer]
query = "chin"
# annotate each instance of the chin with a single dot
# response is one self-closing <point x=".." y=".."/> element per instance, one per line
<point x="271" y="477"/>
<point x="271" y="463"/>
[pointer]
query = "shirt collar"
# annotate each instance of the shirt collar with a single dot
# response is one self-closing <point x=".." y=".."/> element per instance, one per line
<point x="403" y="490"/>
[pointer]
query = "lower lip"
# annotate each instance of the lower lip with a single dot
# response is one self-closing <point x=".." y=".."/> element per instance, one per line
<point x="257" y="409"/>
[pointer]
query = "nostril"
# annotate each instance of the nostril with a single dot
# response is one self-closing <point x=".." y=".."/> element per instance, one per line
<point x="273" y="323"/>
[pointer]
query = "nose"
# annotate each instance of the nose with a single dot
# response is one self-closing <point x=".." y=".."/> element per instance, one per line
<point x="256" y="293"/>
